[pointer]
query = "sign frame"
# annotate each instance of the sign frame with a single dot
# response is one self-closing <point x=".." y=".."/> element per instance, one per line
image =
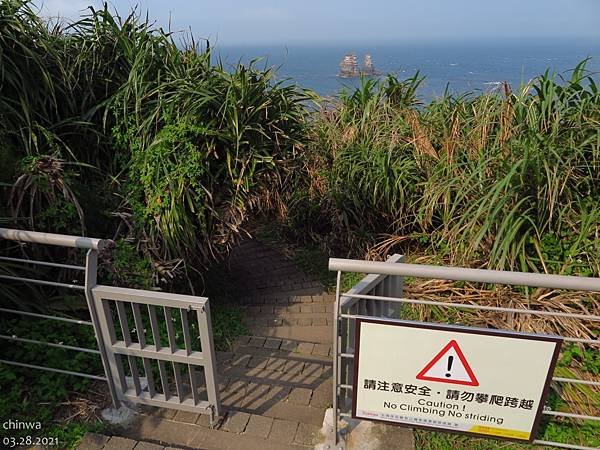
<point x="557" y="340"/>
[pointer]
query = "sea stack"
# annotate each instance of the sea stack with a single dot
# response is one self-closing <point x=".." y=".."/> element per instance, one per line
<point x="368" y="69"/>
<point x="349" y="66"/>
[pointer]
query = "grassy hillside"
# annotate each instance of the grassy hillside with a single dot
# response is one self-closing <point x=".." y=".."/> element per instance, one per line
<point x="505" y="180"/>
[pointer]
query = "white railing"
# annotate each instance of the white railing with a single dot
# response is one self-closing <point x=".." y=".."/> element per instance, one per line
<point x="93" y="246"/>
<point x="114" y="351"/>
<point x="380" y="294"/>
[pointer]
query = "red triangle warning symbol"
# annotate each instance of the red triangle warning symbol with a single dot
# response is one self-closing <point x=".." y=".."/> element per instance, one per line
<point x="449" y="366"/>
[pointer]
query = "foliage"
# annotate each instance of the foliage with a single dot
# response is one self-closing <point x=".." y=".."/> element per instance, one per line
<point x="510" y="180"/>
<point x="194" y="150"/>
<point x="70" y="434"/>
<point x="311" y="259"/>
<point x="44" y="195"/>
<point x="587" y="358"/>
<point x="585" y="434"/>
<point x="190" y="149"/>
<point x="34" y="395"/>
<point x="109" y="127"/>
<point x="227" y="326"/>
<point x="224" y="145"/>
<point x="53" y="83"/>
<point x="562" y="430"/>
<point x="128" y="268"/>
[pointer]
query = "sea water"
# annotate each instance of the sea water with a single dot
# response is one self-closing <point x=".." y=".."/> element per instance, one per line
<point x="459" y="67"/>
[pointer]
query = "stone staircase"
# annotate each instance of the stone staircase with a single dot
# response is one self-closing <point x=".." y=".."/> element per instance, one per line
<point x="275" y="384"/>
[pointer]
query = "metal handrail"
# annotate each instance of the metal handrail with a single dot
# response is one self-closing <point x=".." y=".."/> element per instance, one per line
<point x="466" y="274"/>
<point x="93" y="247"/>
<point x="52" y="369"/>
<point x="42" y="282"/>
<point x="45" y="316"/>
<point x="373" y="290"/>
<point x="49" y="344"/>
<point x="61" y="240"/>
<point x="42" y="263"/>
<point x="534" y="312"/>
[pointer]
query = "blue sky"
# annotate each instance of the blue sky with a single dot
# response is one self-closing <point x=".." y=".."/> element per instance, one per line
<point x="287" y="22"/>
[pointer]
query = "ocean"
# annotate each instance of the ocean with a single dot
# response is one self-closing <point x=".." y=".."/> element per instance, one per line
<point x="460" y="67"/>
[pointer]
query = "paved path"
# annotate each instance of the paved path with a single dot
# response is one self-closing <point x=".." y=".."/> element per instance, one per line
<point x="275" y="384"/>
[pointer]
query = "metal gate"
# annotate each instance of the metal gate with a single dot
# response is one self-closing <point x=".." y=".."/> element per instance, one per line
<point x="146" y="339"/>
<point x="169" y="338"/>
<point x="380" y="294"/>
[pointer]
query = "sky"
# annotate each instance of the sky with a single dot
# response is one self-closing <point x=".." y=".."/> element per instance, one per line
<point x="288" y="22"/>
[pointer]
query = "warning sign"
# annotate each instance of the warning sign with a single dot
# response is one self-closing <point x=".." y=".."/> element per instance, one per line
<point x="470" y="380"/>
<point x="449" y="366"/>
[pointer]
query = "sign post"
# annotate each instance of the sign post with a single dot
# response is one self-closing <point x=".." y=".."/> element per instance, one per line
<point x="467" y="380"/>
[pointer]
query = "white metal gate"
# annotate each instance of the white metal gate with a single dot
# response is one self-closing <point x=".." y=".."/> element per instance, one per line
<point x="162" y="334"/>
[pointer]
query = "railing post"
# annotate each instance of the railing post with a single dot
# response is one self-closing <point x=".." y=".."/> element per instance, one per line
<point x="210" y="371"/>
<point x="335" y="350"/>
<point x="397" y="290"/>
<point x="91" y="278"/>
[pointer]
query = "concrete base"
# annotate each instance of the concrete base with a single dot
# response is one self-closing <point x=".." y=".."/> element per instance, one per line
<point x="354" y="434"/>
<point x="122" y="416"/>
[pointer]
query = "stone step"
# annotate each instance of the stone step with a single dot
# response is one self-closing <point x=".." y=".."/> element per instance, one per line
<point x="294" y="402"/>
<point x="314" y="333"/>
<point x="301" y="402"/>
<point x="301" y="320"/>
<point x="281" y="270"/>
<point x="297" y="290"/>
<point x="265" y="346"/>
<point x="284" y="299"/>
<point x="94" y="441"/>
<point x="279" y="266"/>
<point x="275" y="371"/>
<point x="281" y="291"/>
<point x="309" y="365"/>
<point x="293" y="311"/>
<point x="277" y="378"/>
<point x="236" y="430"/>
<point x="297" y="282"/>
<point x="266" y="392"/>
<point x="264" y="267"/>
<point x="250" y="257"/>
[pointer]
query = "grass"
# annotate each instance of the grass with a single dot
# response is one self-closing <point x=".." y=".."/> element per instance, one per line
<point x="314" y="263"/>
<point x="227" y="326"/>
<point x="586" y="434"/>
<point x="503" y="180"/>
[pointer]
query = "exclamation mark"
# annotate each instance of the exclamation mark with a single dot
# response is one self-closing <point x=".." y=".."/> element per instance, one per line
<point x="450" y="359"/>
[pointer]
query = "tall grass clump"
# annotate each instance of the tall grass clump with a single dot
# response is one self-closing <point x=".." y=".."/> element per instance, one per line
<point x="107" y="123"/>
<point x="504" y="180"/>
<point x="208" y="147"/>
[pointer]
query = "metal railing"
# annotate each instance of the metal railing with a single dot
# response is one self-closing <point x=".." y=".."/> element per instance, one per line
<point x="380" y="294"/>
<point x="108" y="305"/>
<point x="93" y="246"/>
